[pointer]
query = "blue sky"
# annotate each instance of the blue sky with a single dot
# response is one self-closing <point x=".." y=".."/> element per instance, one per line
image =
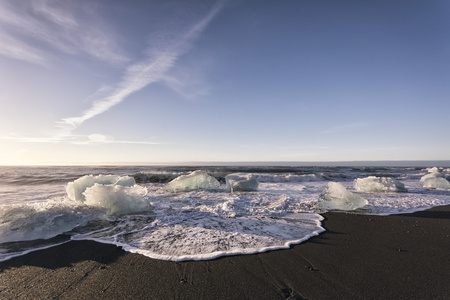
<point x="92" y="82"/>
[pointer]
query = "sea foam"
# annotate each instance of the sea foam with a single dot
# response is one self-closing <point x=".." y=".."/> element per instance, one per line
<point x="210" y="238"/>
<point x="190" y="224"/>
<point x="43" y="220"/>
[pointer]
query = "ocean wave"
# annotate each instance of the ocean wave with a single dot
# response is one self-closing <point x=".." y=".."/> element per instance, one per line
<point x="286" y="177"/>
<point x="181" y="225"/>
<point x="43" y="220"/>
<point x="155" y="177"/>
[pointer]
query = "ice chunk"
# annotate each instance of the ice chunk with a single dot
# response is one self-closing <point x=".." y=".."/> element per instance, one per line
<point x="76" y="188"/>
<point x="118" y="194"/>
<point x="241" y="183"/>
<point x="436" y="183"/>
<point x="336" y="197"/>
<point x="118" y="199"/>
<point x="433" y="170"/>
<point x="373" y="184"/>
<point x="433" y="173"/>
<point x="435" y="180"/>
<point x="125" y="181"/>
<point x="197" y="180"/>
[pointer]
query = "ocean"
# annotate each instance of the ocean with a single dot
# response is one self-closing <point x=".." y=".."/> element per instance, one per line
<point x="42" y="207"/>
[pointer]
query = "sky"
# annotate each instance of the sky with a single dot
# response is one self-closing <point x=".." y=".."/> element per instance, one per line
<point x="109" y="81"/>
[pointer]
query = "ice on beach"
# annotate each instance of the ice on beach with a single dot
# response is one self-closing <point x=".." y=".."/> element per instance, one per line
<point x="435" y="180"/>
<point x="336" y="197"/>
<point x="118" y="199"/>
<point x="76" y="188"/>
<point x="116" y="194"/>
<point x="436" y="183"/>
<point x="373" y="184"/>
<point x="241" y="183"/>
<point x="433" y="173"/>
<point x="197" y="180"/>
<point x="198" y="224"/>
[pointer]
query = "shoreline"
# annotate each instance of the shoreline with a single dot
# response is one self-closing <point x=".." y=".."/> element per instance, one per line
<point x="357" y="257"/>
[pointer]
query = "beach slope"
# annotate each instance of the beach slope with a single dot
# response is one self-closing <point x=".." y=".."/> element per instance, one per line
<point x="358" y="257"/>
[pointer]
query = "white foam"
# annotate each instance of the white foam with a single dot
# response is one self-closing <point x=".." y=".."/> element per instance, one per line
<point x="402" y="203"/>
<point x="43" y="220"/>
<point x="196" y="180"/>
<point x="205" y="223"/>
<point x="336" y="197"/>
<point x="200" y="237"/>
<point x="373" y="184"/>
<point x="286" y="177"/>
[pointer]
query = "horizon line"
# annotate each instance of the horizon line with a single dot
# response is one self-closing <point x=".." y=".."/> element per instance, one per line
<point x="360" y="163"/>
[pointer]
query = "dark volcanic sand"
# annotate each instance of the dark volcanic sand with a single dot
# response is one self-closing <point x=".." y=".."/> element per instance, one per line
<point x="358" y="257"/>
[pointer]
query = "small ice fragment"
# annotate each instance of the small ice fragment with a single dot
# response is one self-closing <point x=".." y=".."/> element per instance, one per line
<point x="435" y="180"/>
<point x="336" y="197"/>
<point x="118" y="199"/>
<point x="373" y="184"/>
<point x="241" y="183"/>
<point x="196" y="180"/>
<point x="75" y="189"/>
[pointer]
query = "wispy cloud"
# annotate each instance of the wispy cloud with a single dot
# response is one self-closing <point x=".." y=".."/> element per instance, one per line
<point x="345" y="127"/>
<point x="28" y="28"/>
<point x="13" y="48"/>
<point x="152" y="69"/>
<point x="161" y="57"/>
<point x="92" y="139"/>
<point x="187" y="81"/>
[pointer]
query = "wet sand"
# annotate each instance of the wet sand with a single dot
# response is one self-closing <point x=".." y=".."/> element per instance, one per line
<point x="358" y="257"/>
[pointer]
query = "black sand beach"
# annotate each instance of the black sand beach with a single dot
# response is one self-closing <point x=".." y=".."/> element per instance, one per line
<point x="358" y="257"/>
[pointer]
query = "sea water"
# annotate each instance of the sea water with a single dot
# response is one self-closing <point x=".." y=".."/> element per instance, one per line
<point x="38" y="209"/>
